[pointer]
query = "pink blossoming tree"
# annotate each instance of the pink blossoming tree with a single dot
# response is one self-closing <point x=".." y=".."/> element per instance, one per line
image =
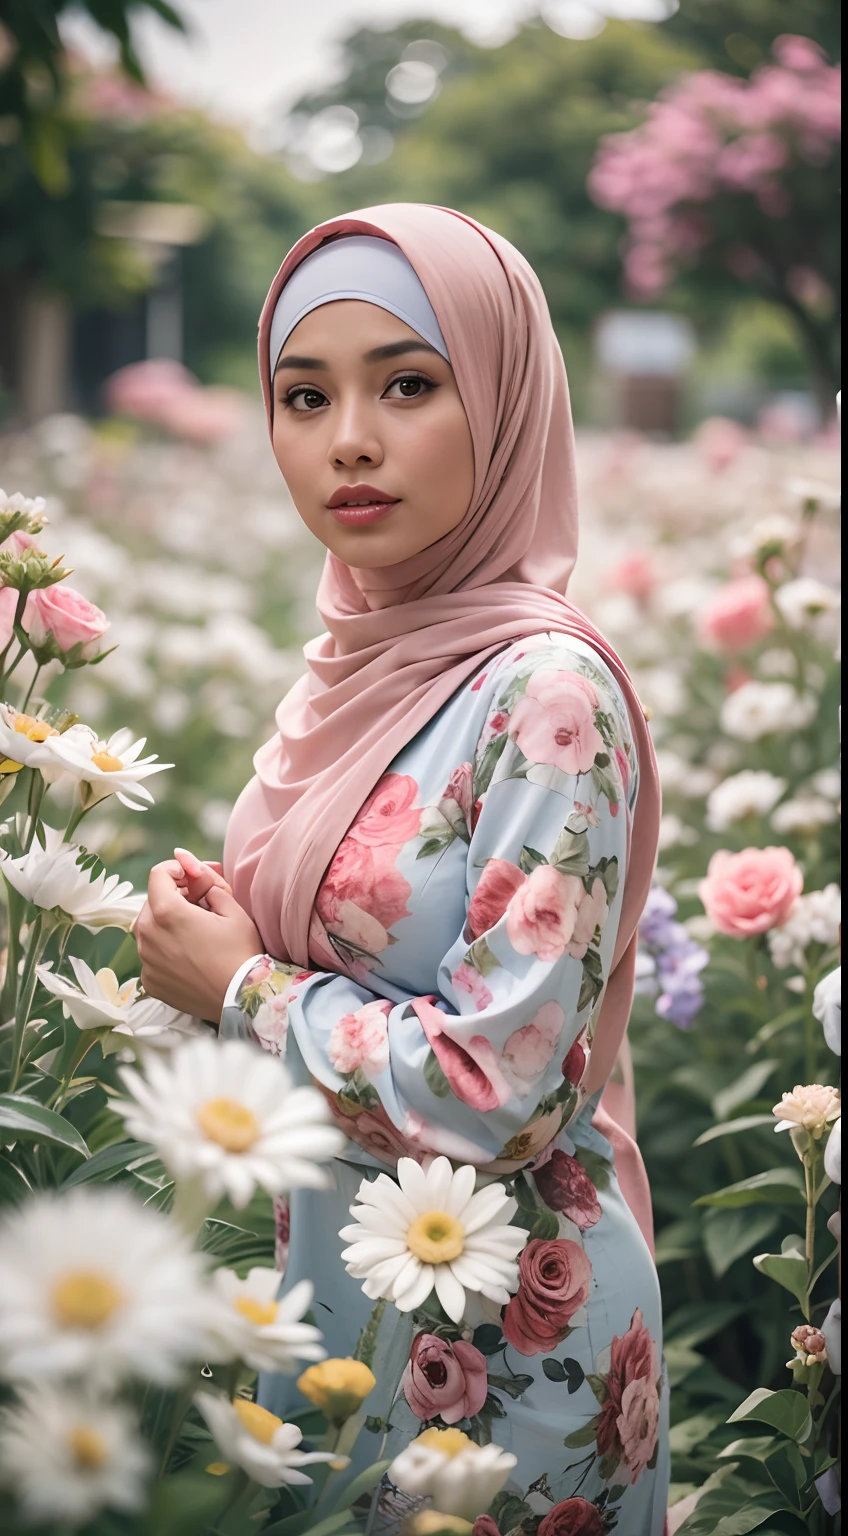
<point x="738" y="178"/>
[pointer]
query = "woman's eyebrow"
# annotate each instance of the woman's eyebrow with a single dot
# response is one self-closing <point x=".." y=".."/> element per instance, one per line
<point x="396" y="349"/>
<point x="300" y="362"/>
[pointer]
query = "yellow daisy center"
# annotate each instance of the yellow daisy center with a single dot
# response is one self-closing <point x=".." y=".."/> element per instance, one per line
<point x="34" y="730"/>
<point x="229" y="1122"/>
<point x="85" y="1298"/>
<point x="258" y="1312"/>
<point x="87" y="1447"/>
<point x="429" y="1522"/>
<point x="106" y="762"/>
<point x="258" y="1422"/>
<point x="451" y="1442"/>
<point x="218" y="1468"/>
<point x="436" y="1237"/>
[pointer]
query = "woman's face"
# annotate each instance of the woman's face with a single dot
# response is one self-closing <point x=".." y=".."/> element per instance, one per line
<point x="365" y="411"/>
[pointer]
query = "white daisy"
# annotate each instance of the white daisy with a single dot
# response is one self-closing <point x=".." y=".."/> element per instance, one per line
<point x="94" y="1284"/>
<point x="104" y="768"/>
<point x="429" y="1230"/>
<point x="66" y="1457"/>
<point x="256" y="1327"/>
<point x="52" y="877"/>
<point x="446" y="1466"/>
<point x="23" y="740"/>
<point x="766" y="709"/>
<point x="225" y="1116"/>
<point x="806" y="813"/>
<point x="745" y="794"/>
<point x="19" y="511"/>
<point x="99" y="1001"/>
<point x="804" y="601"/>
<point x="816" y="918"/>
<point x="257" y="1441"/>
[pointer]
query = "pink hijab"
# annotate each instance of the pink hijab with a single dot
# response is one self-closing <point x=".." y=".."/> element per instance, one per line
<point x="401" y="640"/>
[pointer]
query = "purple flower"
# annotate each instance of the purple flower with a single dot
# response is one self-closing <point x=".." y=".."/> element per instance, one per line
<point x="655" y="923"/>
<point x="682" y="1004"/>
<point x="669" y="962"/>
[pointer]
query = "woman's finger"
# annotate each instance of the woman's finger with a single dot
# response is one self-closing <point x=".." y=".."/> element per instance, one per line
<point x="200" y="877"/>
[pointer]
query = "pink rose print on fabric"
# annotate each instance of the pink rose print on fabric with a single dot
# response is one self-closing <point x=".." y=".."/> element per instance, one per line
<point x="460" y="787"/>
<point x="362" y="896"/>
<point x="554" y="1281"/>
<point x="555" y="721"/>
<point x="529" y="1050"/>
<point x="623" y="765"/>
<point x="442" y="1380"/>
<point x="360" y="1040"/>
<point x="573" y="1517"/>
<point x="574" y="1064"/>
<point x="565" y="1186"/>
<point x="472" y="1069"/>
<point x="592" y="914"/>
<point x="282" y="1232"/>
<point x="497" y="885"/>
<point x="372" y="1130"/>
<point x="271" y="1021"/>
<point x="629" y="1417"/>
<point x="541" y="916"/>
<point x="466" y="979"/>
<point x="389" y="815"/>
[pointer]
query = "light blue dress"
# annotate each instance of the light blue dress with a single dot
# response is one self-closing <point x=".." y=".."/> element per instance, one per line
<point x="462" y="939"/>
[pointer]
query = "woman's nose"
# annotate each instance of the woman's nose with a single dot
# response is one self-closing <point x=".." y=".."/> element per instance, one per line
<point x="354" y="440"/>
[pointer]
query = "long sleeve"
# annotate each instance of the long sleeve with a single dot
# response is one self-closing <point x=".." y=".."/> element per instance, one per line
<point x="486" y="1065"/>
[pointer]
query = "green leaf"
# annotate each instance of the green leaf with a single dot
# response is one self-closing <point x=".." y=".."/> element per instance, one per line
<point x="777" y="1186"/>
<point x="434" y="1077"/>
<point x="571" y="853"/>
<point x="186" y="1504"/>
<point x="692" y="1324"/>
<point x="729" y="1509"/>
<point x="530" y="859"/>
<point x="733" y="1127"/>
<point x="786" y="1411"/>
<point x="745" y="1088"/>
<point x="789" y="1267"/>
<point x="587" y="1435"/>
<point x="482" y="958"/>
<point x="787" y="1471"/>
<point x="727" y="1235"/>
<point x="13" y="1186"/>
<point x="598" y="1168"/>
<point x="755" y="1448"/>
<point x="488" y="1338"/>
<point x="683" y="1437"/>
<point x="513" y="1386"/>
<point x="110" y="1160"/>
<point x="361" y="1484"/>
<point x="508" y="1511"/>
<point x="22" y="1116"/>
<point x="554" y="1370"/>
<point x="545" y="1225"/>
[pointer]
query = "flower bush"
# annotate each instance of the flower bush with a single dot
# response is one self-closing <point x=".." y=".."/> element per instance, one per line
<point x="733" y="1032"/>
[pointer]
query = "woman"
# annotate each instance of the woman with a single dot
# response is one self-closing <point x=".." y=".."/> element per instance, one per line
<point x="436" y="873"/>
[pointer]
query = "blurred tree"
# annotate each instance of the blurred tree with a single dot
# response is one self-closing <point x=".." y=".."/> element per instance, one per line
<point x="508" y="135"/>
<point x="736" y="35"/>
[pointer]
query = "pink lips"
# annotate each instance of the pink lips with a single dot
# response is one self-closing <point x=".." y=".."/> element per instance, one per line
<point x="356" y="505"/>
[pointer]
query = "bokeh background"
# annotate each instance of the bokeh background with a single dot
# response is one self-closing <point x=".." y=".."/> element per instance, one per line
<point x="671" y="171"/>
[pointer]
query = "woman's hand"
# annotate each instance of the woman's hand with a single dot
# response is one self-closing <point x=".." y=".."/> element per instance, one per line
<point x="190" y="953"/>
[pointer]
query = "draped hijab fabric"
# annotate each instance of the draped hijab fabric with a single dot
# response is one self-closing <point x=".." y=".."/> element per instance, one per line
<point x="400" y="640"/>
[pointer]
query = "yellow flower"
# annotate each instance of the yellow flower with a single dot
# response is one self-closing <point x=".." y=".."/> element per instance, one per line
<point x="429" y="1522"/>
<point x="337" y="1387"/>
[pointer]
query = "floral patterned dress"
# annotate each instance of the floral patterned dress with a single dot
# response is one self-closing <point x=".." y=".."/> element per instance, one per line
<point x="461" y="939"/>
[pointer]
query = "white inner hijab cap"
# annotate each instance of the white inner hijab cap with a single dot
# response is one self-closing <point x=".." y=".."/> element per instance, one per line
<point x="361" y="267"/>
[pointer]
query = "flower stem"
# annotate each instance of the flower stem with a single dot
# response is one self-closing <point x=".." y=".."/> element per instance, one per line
<point x="31" y="687"/>
<point x="37" y="788"/>
<point x="41" y="931"/>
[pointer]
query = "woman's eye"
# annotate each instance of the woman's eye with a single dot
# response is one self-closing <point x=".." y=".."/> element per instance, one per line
<point x="409" y="387"/>
<point x="305" y="399"/>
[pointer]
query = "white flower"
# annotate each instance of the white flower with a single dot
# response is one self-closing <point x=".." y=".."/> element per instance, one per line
<point x="66" y="1457"/>
<point x="253" y="1326"/>
<point x="812" y="1106"/>
<point x="52" y="877"/>
<point x="773" y="535"/>
<point x="28" y="509"/>
<point x="94" y="1284"/>
<point x="22" y="740"/>
<point x="827" y="783"/>
<point x="833" y="1153"/>
<point x="429" y="1230"/>
<point x="674" y="833"/>
<point x="744" y="794"/>
<point x="224" y="1115"/>
<point x="765" y="709"/>
<point x="98" y="1001"/>
<point x="832" y="1330"/>
<point x="804" y="601"/>
<point x="446" y="1466"/>
<point x="814" y="919"/>
<point x="806" y="813"/>
<point x="111" y="767"/>
<point x="257" y="1441"/>
<point x="827" y="1008"/>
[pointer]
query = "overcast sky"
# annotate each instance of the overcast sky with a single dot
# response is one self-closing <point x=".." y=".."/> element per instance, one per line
<point x="248" y="58"/>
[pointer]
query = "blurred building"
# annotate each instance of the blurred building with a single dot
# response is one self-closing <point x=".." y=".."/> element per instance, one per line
<point x="643" y="361"/>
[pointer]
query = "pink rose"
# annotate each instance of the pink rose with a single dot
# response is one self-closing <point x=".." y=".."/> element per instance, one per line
<point x="68" y="616"/>
<point x="271" y="1021"/>
<point x="466" y="979"/>
<point x="460" y="788"/>
<point x="623" y="764"/>
<point x="555" y="721"/>
<point x="362" y="894"/>
<point x="573" y="1517"/>
<point x="629" y="1419"/>
<point x="554" y="1281"/>
<point x="591" y="915"/>
<point x="529" y="1050"/>
<point x="8" y="608"/>
<point x="541" y="916"/>
<point x="738" y="615"/>
<point x="472" y="1068"/>
<point x="389" y="815"/>
<point x="634" y="574"/>
<point x="361" y="1040"/>
<point x="442" y="1380"/>
<point x="372" y="1130"/>
<point x="565" y="1186"/>
<point x="484" y="1525"/>
<point x="750" y="892"/>
<point x="497" y="885"/>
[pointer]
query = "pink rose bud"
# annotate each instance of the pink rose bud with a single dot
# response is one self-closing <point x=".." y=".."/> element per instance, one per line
<point x="809" y="1344"/>
<point x="68" y="616"/>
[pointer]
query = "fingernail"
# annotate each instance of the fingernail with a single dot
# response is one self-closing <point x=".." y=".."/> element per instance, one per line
<point x="189" y="862"/>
